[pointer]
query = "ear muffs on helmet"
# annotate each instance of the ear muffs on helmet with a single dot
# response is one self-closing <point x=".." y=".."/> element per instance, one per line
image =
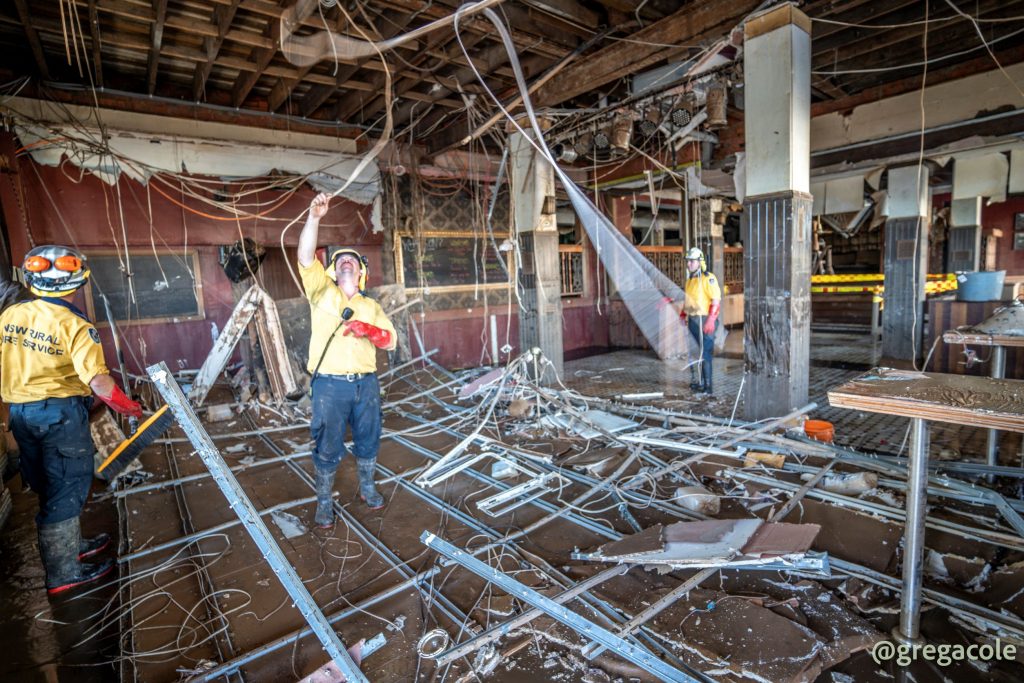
<point x="364" y="268"/>
<point x="695" y="254"/>
<point x="55" y="270"/>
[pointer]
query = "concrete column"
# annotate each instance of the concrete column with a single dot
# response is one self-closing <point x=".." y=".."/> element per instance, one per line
<point x="963" y="248"/>
<point x="533" y="210"/>
<point x="777" y="212"/>
<point x="905" y="256"/>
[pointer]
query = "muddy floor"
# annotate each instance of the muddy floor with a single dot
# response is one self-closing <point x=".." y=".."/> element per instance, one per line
<point x="196" y="600"/>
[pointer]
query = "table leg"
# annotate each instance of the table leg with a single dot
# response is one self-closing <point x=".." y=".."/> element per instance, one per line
<point x="998" y="372"/>
<point x="876" y="323"/>
<point x="909" y="630"/>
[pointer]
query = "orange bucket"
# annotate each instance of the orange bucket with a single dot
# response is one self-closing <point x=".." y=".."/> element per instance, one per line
<point x="819" y="430"/>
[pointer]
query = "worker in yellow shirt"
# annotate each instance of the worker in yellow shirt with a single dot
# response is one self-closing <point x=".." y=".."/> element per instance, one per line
<point x="347" y="328"/>
<point x="51" y="365"/>
<point x="703" y="302"/>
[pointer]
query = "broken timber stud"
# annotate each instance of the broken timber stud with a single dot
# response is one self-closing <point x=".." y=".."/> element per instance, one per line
<point x="584" y="627"/>
<point x="243" y="507"/>
<point x="245" y="309"/>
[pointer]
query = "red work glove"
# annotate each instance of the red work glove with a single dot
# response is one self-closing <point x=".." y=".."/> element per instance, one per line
<point x="120" y="403"/>
<point x="378" y="337"/>
<point x="709" y="323"/>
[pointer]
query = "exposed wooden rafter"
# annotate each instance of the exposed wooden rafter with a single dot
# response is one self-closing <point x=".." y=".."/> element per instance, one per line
<point x="405" y="86"/>
<point x="646" y="47"/>
<point x="156" y="37"/>
<point x="33" y="38"/>
<point x="94" y="34"/>
<point x="223" y="15"/>
<point x="395" y="23"/>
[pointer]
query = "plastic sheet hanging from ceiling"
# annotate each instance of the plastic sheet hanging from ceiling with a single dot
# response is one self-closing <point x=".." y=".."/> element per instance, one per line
<point x="648" y="294"/>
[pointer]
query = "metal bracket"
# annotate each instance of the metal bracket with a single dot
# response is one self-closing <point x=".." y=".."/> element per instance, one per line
<point x="243" y="507"/>
<point x="517" y="496"/>
<point x="448" y="466"/>
<point x="584" y="627"/>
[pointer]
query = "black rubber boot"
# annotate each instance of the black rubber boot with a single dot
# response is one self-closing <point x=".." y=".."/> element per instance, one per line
<point x="324" y="481"/>
<point x="367" y="491"/>
<point x="58" y="548"/>
<point x="93" y="546"/>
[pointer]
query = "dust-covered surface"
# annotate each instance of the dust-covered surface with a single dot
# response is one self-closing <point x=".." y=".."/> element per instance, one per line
<point x="962" y="399"/>
<point x="213" y="607"/>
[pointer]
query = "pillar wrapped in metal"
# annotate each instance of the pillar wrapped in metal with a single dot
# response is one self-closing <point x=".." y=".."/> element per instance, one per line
<point x="906" y="268"/>
<point x="540" y="285"/>
<point x="905" y="256"/>
<point x="963" y="248"/>
<point x="777" y="211"/>
<point x="777" y="302"/>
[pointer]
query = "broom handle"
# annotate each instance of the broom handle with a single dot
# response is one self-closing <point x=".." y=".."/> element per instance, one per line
<point x="133" y="423"/>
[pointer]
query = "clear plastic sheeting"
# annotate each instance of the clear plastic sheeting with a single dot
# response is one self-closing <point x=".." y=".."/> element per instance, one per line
<point x="649" y="295"/>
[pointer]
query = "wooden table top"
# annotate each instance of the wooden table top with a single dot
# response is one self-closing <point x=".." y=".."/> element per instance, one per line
<point x="982" y="339"/>
<point x="957" y="399"/>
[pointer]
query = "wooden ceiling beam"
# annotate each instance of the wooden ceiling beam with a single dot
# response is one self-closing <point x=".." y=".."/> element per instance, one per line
<point x="394" y="23"/>
<point x="568" y="9"/>
<point x="223" y="15"/>
<point x="33" y="38"/>
<point x="156" y="37"/>
<point x="859" y="12"/>
<point x="262" y="56"/>
<point x="494" y="56"/>
<point x="405" y="86"/>
<point x="645" y="48"/>
<point x="94" y="36"/>
<point x="524" y="40"/>
<point x="902" y="48"/>
<point x="983" y="63"/>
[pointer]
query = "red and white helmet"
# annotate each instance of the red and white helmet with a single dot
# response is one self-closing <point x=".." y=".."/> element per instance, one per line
<point x="55" y="270"/>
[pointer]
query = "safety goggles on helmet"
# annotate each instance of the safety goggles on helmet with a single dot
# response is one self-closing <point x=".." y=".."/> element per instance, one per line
<point x="40" y="264"/>
<point x="53" y="269"/>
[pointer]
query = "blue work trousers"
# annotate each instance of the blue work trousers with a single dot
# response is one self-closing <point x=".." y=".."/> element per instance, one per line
<point x="337" y="405"/>
<point x="56" y="454"/>
<point x="706" y="344"/>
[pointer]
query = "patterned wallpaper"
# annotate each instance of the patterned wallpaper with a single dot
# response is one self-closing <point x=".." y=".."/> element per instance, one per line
<point x="413" y="205"/>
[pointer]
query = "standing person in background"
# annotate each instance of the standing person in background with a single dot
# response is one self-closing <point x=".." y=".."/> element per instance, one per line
<point x="344" y="385"/>
<point x="703" y="302"/>
<point x="51" y="366"/>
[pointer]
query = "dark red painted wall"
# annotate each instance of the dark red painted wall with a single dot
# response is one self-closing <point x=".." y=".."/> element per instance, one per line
<point x="60" y="205"/>
<point x="999" y="216"/>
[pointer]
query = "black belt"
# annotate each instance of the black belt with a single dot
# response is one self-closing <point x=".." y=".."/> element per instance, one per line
<point x="347" y="377"/>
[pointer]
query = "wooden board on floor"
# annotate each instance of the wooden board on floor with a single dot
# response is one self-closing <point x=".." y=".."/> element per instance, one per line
<point x="972" y="401"/>
<point x="957" y="337"/>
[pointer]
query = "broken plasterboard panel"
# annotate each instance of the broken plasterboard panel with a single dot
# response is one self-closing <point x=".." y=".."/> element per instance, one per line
<point x="716" y="542"/>
<point x="606" y="421"/>
<point x="480" y="382"/>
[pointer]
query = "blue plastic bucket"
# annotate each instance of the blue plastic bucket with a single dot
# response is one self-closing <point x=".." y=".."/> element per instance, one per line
<point x="980" y="286"/>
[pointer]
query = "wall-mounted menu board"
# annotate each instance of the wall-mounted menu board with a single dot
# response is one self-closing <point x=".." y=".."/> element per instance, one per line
<point x="452" y="260"/>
